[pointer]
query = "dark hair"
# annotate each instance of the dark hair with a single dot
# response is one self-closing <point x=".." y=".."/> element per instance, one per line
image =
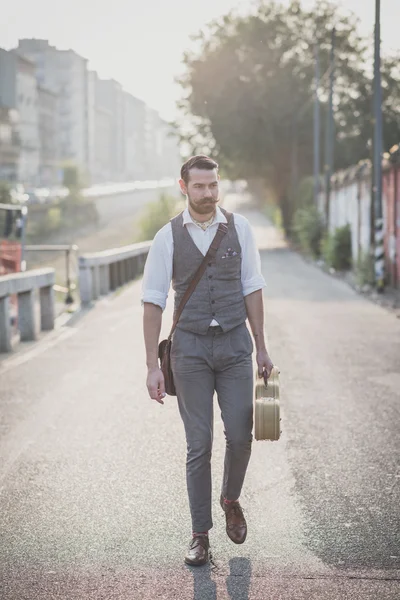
<point x="200" y="161"/>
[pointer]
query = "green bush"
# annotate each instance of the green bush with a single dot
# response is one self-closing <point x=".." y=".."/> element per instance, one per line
<point x="308" y="230"/>
<point x="336" y="249"/>
<point x="72" y="177"/>
<point x="304" y="195"/>
<point x="5" y="192"/>
<point x="327" y="249"/>
<point x="156" y="215"/>
<point x="365" y="269"/>
<point x="274" y="214"/>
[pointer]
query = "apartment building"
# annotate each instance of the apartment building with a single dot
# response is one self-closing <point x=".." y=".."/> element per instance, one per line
<point x="135" y="136"/>
<point x="10" y="144"/>
<point x="65" y="73"/>
<point x="18" y="91"/>
<point x="62" y="114"/>
<point x="110" y="96"/>
<point x="49" y="173"/>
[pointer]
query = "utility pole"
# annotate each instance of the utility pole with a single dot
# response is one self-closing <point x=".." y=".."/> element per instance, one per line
<point x="377" y="171"/>
<point x="294" y="158"/>
<point x="317" y="127"/>
<point x="330" y="135"/>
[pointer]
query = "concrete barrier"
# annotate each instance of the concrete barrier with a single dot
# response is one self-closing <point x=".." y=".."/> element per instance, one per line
<point x="102" y="272"/>
<point x="24" y="286"/>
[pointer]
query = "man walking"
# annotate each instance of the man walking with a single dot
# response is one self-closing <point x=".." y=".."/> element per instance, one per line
<point x="211" y="347"/>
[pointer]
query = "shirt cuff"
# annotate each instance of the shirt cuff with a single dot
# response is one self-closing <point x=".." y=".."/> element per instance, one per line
<point x="253" y="285"/>
<point x="154" y="297"/>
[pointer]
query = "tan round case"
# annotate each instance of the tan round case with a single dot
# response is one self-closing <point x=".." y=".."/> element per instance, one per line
<point x="267" y="421"/>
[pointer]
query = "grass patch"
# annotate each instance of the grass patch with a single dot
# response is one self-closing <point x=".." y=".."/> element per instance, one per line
<point x="156" y="215"/>
<point x="365" y="270"/>
<point x="274" y="214"/>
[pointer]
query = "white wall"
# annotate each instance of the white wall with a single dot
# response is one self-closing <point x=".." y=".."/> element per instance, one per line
<point x="350" y="203"/>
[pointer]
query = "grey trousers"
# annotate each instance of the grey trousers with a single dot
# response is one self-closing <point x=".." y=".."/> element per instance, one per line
<point x="203" y="364"/>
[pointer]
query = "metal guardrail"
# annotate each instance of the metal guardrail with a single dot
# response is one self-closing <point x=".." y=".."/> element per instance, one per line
<point x="23" y="285"/>
<point x="102" y="272"/>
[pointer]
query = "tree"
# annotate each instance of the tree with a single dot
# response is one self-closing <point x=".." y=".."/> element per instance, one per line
<point x="250" y="82"/>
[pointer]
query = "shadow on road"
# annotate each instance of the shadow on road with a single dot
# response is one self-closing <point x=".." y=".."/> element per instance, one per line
<point x="237" y="582"/>
<point x="204" y="588"/>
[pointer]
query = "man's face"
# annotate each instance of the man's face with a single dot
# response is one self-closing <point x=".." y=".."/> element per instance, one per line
<point x="202" y="190"/>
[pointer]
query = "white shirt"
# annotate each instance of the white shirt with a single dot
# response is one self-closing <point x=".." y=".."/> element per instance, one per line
<point x="158" y="270"/>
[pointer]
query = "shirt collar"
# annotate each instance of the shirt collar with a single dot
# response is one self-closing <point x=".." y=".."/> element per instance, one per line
<point x="219" y="217"/>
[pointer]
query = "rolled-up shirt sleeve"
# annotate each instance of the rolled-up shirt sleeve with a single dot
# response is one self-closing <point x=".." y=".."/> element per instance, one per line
<point x="252" y="278"/>
<point x="158" y="269"/>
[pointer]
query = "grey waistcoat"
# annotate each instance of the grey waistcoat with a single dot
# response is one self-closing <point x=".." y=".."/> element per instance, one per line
<point x="218" y="294"/>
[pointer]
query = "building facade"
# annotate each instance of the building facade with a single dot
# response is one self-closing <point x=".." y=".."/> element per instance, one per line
<point x="18" y="91"/>
<point x="28" y="108"/>
<point x="10" y="144"/>
<point x="48" y="115"/>
<point x="101" y="134"/>
<point x="106" y="130"/>
<point x="68" y="115"/>
<point x="135" y="158"/>
<point x="110" y="96"/>
<point x="91" y="117"/>
<point x="104" y="123"/>
<point x="65" y="73"/>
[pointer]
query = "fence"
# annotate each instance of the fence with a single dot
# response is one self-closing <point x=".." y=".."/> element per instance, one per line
<point x="351" y="203"/>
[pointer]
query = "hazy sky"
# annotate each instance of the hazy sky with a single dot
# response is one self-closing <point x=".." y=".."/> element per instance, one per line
<point x="140" y="43"/>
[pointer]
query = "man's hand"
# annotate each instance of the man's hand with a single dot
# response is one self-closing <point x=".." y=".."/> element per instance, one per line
<point x="155" y="384"/>
<point x="264" y="363"/>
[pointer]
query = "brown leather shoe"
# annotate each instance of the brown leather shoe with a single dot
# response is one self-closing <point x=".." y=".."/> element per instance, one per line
<point x="198" y="553"/>
<point x="236" y="526"/>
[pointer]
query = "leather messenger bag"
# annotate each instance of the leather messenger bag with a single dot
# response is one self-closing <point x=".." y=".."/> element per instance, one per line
<point x="164" y="348"/>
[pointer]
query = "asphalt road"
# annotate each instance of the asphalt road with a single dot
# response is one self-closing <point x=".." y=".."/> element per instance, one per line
<point x="92" y="486"/>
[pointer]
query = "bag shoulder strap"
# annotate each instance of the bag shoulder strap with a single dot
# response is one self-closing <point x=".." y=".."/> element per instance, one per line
<point x="212" y="251"/>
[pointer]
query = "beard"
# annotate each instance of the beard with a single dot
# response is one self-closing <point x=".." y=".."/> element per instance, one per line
<point x="203" y="207"/>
